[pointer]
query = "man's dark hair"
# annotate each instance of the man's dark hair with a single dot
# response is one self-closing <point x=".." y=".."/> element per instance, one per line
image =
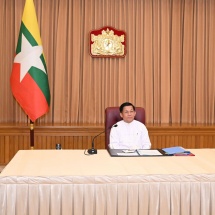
<point x="124" y="105"/>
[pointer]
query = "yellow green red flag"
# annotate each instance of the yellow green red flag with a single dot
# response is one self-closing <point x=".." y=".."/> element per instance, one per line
<point x="29" y="78"/>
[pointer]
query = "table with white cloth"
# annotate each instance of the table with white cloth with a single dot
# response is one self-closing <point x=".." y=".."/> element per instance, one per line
<point x="64" y="182"/>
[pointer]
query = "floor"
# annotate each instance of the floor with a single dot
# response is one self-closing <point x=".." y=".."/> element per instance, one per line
<point x="1" y="168"/>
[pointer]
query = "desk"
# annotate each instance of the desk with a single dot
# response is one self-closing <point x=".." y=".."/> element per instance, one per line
<point x="69" y="182"/>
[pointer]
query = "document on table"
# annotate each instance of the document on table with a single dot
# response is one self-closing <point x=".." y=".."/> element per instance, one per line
<point x="146" y="152"/>
<point x="174" y="150"/>
<point x="140" y="152"/>
<point x="128" y="154"/>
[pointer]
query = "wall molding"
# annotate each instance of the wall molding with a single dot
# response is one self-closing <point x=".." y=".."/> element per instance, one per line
<point x="14" y="137"/>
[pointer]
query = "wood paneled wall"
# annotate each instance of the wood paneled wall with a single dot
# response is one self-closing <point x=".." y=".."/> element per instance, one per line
<point x="17" y="137"/>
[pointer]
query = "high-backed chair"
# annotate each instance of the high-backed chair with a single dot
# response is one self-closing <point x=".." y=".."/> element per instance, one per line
<point x="112" y="116"/>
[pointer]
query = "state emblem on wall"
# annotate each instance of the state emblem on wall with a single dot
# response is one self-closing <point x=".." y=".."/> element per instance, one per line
<point x="107" y="42"/>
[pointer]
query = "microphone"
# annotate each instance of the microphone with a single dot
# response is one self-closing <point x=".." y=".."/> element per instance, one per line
<point x="93" y="150"/>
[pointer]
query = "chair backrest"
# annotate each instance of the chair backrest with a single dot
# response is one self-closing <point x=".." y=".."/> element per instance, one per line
<point x="112" y="116"/>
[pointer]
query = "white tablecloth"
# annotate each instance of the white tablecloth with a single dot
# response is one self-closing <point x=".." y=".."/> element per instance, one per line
<point x="69" y="182"/>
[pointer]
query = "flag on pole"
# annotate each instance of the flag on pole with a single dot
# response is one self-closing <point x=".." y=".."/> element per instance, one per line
<point x="29" y="79"/>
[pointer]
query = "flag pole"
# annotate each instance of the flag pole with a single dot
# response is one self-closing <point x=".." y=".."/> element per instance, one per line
<point x="32" y="134"/>
<point x="30" y="65"/>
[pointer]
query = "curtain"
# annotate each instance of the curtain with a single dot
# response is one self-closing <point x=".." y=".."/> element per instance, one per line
<point x="168" y="68"/>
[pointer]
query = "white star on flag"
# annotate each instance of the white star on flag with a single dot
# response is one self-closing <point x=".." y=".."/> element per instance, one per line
<point x="28" y="57"/>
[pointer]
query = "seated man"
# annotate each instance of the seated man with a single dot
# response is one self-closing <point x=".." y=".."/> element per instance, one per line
<point x="129" y="133"/>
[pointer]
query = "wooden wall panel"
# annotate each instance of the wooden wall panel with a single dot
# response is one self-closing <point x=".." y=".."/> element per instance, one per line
<point x="17" y="137"/>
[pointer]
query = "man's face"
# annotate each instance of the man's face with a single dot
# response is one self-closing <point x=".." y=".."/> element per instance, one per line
<point x="128" y="114"/>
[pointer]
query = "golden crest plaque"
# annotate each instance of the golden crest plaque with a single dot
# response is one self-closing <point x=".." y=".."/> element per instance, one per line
<point x="107" y="42"/>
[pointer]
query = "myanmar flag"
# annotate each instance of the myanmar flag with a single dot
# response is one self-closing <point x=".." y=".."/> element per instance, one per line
<point x="29" y="79"/>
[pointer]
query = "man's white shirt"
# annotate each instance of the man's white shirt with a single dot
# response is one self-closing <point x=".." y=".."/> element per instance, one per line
<point x="133" y="135"/>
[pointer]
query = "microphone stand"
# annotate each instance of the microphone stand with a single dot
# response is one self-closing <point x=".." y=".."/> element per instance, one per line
<point x="93" y="150"/>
